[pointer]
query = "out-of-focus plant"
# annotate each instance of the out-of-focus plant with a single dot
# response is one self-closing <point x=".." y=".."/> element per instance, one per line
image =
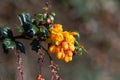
<point x="60" y="42"/>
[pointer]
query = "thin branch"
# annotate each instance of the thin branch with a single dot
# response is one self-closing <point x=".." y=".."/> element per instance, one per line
<point x="40" y="59"/>
<point x="54" y="68"/>
<point x="19" y="37"/>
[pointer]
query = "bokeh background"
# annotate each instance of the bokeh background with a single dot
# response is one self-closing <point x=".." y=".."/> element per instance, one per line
<point x="97" y="21"/>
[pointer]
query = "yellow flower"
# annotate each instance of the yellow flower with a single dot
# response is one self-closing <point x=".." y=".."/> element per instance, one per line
<point x="57" y="38"/>
<point x="68" y="37"/>
<point x="56" y="28"/>
<point x="71" y="47"/>
<point x="56" y="34"/>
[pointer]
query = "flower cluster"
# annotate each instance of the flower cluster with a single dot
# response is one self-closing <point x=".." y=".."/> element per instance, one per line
<point x="64" y="41"/>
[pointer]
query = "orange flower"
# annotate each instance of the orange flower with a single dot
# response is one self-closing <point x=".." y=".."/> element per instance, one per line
<point x="68" y="37"/>
<point x="57" y="38"/>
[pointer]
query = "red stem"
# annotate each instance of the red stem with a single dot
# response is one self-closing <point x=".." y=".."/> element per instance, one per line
<point x="19" y="61"/>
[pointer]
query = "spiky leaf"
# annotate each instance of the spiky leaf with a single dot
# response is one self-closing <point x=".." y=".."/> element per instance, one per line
<point x="24" y="18"/>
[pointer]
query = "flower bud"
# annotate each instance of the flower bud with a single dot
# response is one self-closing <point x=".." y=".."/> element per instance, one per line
<point x="65" y="45"/>
<point x="71" y="47"/>
<point x="52" y="49"/>
<point x="66" y="59"/>
<point x="69" y="53"/>
<point x="59" y="55"/>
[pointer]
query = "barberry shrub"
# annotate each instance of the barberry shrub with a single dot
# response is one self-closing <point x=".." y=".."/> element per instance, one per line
<point x="61" y="43"/>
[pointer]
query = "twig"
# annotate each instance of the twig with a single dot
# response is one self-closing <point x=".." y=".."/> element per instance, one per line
<point x="53" y="68"/>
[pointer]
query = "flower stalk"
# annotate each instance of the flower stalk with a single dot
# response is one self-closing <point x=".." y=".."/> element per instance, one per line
<point x="19" y="62"/>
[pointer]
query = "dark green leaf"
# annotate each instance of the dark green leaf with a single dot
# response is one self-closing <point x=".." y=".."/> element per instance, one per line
<point x="43" y="33"/>
<point x="6" y="32"/>
<point x="29" y="33"/>
<point x="25" y="21"/>
<point x="78" y="36"/>
<point x="44" y="30"/>
<point x="24" y="18"/>
<point x="35" y="45"/>
<point x="76" y="43"/>
<point x="33" y="31"/>
<point x="34" y="22"/>
<point x="20" y="47"/>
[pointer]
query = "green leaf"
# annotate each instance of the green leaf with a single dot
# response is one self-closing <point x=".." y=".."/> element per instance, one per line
<point x="40" y="16"/>
<point x="34" y="29"/>
<point x="20" y="47"/>
<point x="45" y="16"/>
<point x="20" y="28"/>
<point x="76" y="43"/>
<point x="78" y="35"/>
<point x="80" y="51"/>
<point x="53" y="14"/>
<point x="9" y="44"/>
<point x="83" y="48"/>
<point x="51" y="18"/>
<point x="79" y="48"/>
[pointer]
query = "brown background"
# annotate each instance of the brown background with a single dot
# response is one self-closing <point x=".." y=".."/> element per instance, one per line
<point x="98" y="23"/>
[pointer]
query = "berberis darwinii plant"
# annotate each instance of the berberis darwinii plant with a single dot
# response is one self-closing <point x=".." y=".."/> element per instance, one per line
<point x="61" y="43"/>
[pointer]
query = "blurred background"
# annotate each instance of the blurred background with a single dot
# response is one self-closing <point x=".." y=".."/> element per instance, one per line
<point x="97" y="21"/>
